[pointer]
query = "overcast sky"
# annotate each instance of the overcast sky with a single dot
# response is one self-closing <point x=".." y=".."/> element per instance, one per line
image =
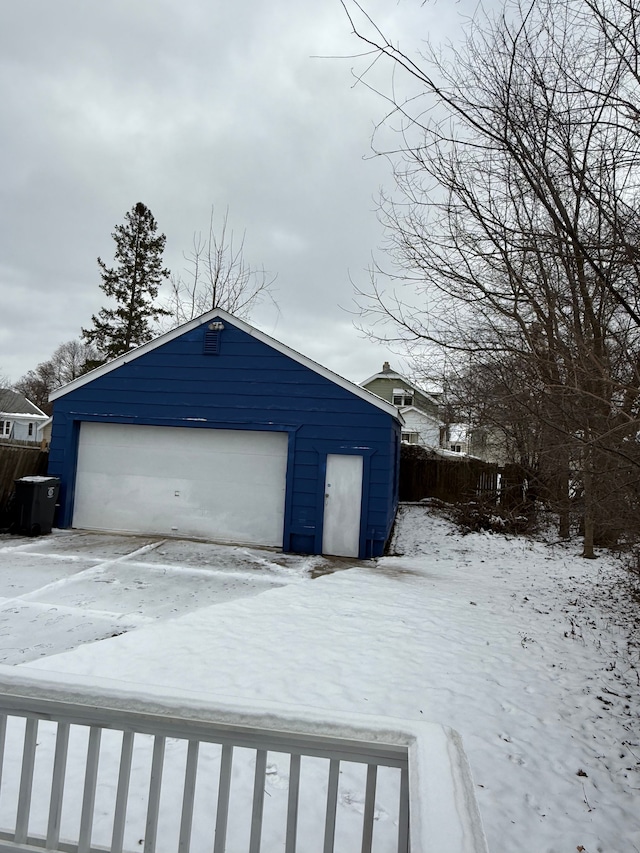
<point x="184" y="104"/>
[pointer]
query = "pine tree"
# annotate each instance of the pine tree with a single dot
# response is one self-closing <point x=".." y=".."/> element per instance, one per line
<point x="133" y="282"/>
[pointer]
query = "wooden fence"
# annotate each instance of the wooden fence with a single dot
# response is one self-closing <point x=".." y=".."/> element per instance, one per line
<point x="423" y="474"/>
<point x="18" y="460"/>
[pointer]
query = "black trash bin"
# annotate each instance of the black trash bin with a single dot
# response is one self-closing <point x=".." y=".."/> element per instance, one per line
<point x="34" y="505"/>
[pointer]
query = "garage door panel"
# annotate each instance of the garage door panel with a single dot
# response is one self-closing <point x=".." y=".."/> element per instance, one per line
<point x="219" y="484"/>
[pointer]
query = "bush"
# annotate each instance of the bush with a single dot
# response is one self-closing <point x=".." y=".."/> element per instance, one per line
<point x="478" y="515"/>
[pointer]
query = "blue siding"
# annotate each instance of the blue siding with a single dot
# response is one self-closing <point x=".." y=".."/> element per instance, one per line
<point x="248" y="385"/>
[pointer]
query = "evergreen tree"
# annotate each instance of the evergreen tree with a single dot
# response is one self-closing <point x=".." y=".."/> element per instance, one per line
<point x="133" y="283"/>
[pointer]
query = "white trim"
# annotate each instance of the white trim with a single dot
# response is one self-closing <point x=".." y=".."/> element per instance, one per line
<point x="23" y="416"/>
<point x="422" y="413"/>
<point x="121" y="360"/>
<point x="390" y="375"/>
<point x="393" y="375"/>
<point x="37" y="408"/>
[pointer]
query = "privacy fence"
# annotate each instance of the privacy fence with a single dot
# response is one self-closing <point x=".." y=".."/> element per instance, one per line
<point x="423" y="474"/>
<point x="18" y="460"/>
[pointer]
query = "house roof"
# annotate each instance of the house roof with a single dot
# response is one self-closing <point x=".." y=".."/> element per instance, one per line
<point x="218" y="313"/>
<point x="424" y="415"/>
<point x="15" y="404"/>
<point x="392" y="374"/>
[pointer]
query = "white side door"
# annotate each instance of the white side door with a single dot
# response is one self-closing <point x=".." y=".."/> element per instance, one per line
<point x="342" y="505"/>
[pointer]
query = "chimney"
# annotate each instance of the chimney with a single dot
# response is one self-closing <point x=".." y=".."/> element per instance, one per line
<point x="386" y="368"/>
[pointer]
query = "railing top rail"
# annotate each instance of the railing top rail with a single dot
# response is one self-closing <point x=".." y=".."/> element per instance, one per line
<point x="291" y="743"/>
<point x="92" y="694"/>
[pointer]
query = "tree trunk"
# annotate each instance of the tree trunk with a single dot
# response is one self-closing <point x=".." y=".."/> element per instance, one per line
<point x="564" y="518"/>
<point x="589" y="515"/>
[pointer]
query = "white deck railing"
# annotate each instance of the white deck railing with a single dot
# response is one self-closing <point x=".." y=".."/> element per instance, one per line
<point x="100" y="768"/>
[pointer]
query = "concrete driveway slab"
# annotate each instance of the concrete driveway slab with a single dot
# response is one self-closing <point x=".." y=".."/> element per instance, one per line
<point x="100" y="546"/>
<point x="222" y="558"/>
<point x="23" y="572"/>
<point x="29" y="630"/>
<point x="73" y="587"/>
<point x="157" y="593"/>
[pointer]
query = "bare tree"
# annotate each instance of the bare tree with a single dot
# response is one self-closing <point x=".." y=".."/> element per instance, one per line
<point x="513" y="230"/>
<point x="218" y="276"/>
<point x="69" y="361"/>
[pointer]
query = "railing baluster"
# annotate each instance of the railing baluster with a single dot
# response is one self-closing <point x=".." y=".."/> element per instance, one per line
<point x="89" y="795"/>
<point x="3" y="735"/>
<point x="292" y="805"/>
<point x="186" y="820"/>
<point x="403" y="813"/>
<point x="258" y="801"/>
<point x="151" y="831"/>
<point x="26" y="780"/>
<point x="191" y="734"/>
<point x="222" y="812"/>
<point x="122" y="794"/>
<point x="57" y="785"/>
<point x="369" y="808"/>
<point x="332" y="805"/>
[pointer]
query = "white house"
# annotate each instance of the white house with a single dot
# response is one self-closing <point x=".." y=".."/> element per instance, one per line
<point x="419" y="409"/>
<point x="419" y="427"/>
<point x="19" y="417"/>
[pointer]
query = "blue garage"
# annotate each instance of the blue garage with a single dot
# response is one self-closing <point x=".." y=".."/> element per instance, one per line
<point x="217" y="431"/>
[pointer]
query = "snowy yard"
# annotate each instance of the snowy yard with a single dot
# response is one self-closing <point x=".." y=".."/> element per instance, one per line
<point x="71" y="588"/>
<point x="515" y="643"/>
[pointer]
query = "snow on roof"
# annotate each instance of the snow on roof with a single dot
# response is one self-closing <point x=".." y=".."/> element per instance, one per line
<point x="13" y="404"/>
<point x="130" y="356"/>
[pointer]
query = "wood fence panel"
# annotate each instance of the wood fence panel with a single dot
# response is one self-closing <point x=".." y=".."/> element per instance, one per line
<point x="19" y="461"/>
<point x="423" y="474"/>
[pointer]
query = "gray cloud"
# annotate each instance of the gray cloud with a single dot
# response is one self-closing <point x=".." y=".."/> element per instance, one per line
<point x="183" y="105"/>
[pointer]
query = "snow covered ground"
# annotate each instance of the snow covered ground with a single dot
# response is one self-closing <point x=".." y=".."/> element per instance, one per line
<point x="517" y="644"/>
<point x="74" y="587"/>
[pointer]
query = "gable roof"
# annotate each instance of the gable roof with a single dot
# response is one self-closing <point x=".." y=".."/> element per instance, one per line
<point x="13" y="403"/>
<point x="218" y="313"/>
<point x="421" y="412"/>
<point x="391" y="374"/>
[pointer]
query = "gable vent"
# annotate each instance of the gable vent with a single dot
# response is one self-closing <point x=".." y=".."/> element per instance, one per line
<point x="211" y="342"/>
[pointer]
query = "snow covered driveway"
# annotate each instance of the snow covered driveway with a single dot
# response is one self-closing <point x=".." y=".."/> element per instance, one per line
<point x="512" y="642"/>
<point x="70" y="588"/>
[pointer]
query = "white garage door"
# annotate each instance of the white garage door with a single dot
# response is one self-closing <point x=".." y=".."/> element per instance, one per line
<point x="217" y="484"/>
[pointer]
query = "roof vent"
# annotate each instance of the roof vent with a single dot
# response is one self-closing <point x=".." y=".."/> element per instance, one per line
<point x="211" y="342"/>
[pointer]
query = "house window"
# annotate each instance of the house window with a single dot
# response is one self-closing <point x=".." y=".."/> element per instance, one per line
<point x="402" y="397"/>
<point x="30" y="429"/>
<point x="5" y="428"/>
<point x="457" y="448"/>
<point x="409" y="437"/>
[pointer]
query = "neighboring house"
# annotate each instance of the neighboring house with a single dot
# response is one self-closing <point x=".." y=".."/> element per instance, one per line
<point x="44" y="433"/>
<point x="458" y="438"/>
<point x="420" y="410"/>
<point x="216" y="430"/>
<point x="19" y="417"/>
<point x="482" y="442"/>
